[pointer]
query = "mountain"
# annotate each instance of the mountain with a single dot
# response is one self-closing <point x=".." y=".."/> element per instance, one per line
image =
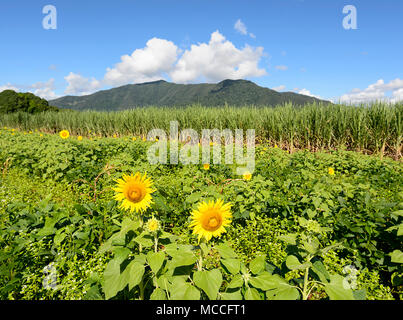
<point x="11" y="101"/>
<point x="162" y="93"/>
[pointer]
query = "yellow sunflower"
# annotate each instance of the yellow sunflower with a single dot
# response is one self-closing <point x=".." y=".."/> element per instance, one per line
<point x="210" y="219"/>
<point x="206" y="166"/>
<point x="64" y="134"/>
<point x="134" y="192"/>
<point x="247" y="176"/>
<point x="79" y="138"/>
<point x="331" y="171"/>
<point x="152" y="225"/>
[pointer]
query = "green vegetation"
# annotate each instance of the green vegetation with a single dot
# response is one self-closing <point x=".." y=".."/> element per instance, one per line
<point x="374" y="129"/>
<point x="162" y="93"/>
<point x="11" y="101"/>
<point x="297" y="229"/>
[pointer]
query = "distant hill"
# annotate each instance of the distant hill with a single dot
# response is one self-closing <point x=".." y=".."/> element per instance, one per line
<point x="162" y="93"/>
<point x="11" y="101"/>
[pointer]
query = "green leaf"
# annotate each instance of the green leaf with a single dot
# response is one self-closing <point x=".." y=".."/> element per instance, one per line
<point x="155" y="260"/>
<point x="111" y="279"/>
<point x="209" y="281"/>
<point x="336" y="290"/>
<point x="236" y="295"/>
<point x="396" y="256"/>
<point x="121" y="253"/>
<point x="158" y="294"/>
<point x="184" y="259"/>
<point x="289" y="238"/>
<point x="266" y="281"/>
<point x="321" y="271"/>
<point x="293" y="263"/>
<point x="133" y="274"/>
<point x="182" y="290"/>
<point x="226" y="251"/>
<point x="232" y="265"/>
<point x="400" y="230"/>
<point x="283" y="292"/>
<point x="194" y="197"/>
<point x="236" y="282"/>
<point x="145" y="240"/>
<point x="252" y="294"/>
<point x="257" y="265"/>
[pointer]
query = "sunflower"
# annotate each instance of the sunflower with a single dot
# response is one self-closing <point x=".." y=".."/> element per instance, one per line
<point x="331" y="171"/>
<point x="152" y="225"/>
<point x="134" y="192"/>
<point x="206" y="166"/>
<point x="247" y="176"/>
<point x="64" y="134"/>
<point x="79" y="138"/>
<point x="210" y="219"/>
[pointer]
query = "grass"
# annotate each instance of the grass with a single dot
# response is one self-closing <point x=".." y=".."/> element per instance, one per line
<point x="370" y="129"/>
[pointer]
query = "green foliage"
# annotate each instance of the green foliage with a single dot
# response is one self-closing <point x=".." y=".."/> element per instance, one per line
<point x="11" y="101"/>
<point x="302" y="226"/>
<point x="162" y="93"/>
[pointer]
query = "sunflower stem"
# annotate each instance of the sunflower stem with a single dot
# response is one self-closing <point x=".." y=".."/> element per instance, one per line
<point x="155" y="243"/>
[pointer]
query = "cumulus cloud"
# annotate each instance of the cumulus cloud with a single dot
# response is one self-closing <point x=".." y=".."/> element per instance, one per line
<point x="241" y="28"/>
<point x="376" y="91"/>
<point x="44" y="90"/>
<point x="79" y="85"/>
<point x="308" y="93"/>
<point x="279" y="88"/>
<point x="217" y="60"/>
<point x="281" y="67"/>
<point x="147" y="64"/>
<point x="214" y="61"/>
<point x="8" y="86"/>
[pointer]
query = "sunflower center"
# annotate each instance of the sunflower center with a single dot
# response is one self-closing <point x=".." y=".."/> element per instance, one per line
<point x="212" y="221"/>
<point x="135" y="194"/>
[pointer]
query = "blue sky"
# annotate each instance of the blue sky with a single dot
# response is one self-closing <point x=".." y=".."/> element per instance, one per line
<point x="289" y="45"/>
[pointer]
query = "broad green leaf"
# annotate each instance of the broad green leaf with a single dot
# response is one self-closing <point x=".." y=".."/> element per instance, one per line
<point x="226" y="251"/>
<point x="236" y="282"/>
<point x="158" y="294"/>
<point x="184" y="259"/>
<point x="293" y="263"/>
<point x="252" y="294"/>
<point x="266" y="281"/>
<point x="111" y="279"/>
<point x="209" y="281"/>
<point x="257" y="265"/>
<point x="232" y="265"/>
<point x="400" y="230"/>
<point x="336" y="290"/>
<point x="121" y="253"/>
<point x="181" y="290"/>
<point x="155" y="260"/>
<point x="321" y="271"/>
<point x="283" y="292"/>
<point x="397" y="256"/>
<point x="289" y="238"/>
<point x="360" y="294"/>
<point x="133" y="274"/>
<point x="236" y="295"/>
<point x="145" y="240"/>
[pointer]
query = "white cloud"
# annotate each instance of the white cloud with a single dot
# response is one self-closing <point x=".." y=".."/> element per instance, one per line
<point x="376" y="91"/>
<point x="44" y="90"/>
<point x="8" y="86"/>
<point x="217" y="60"/>
<point x="241" y="28"/>
<point x="147" y="64"/>
<point x="308" y="93"/>
<point x="279" y="88"/>
<point x="281" y="67"/>
<point x="79" y="85"/>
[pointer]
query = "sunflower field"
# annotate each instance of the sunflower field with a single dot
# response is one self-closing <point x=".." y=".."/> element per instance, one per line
<point x="87" y="217"/>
